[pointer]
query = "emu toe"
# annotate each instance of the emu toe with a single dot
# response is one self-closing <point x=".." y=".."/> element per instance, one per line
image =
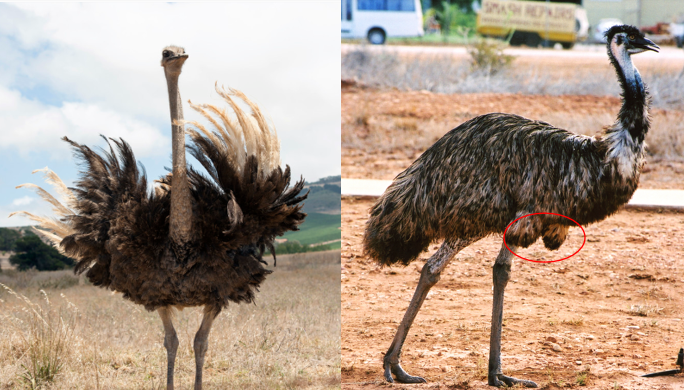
<point x="401" y="375"/>
<point x="500" y="380"/>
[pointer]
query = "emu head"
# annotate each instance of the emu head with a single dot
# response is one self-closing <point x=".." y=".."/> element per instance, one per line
<point x="627" y="40"/>
<point x="173" y="58"/>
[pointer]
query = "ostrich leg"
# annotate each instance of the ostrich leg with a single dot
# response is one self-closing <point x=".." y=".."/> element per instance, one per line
<point x="428" y="278"/>
<point x="201" y="343"/>
<point x="170" y="343"/>
<point x="502" y="271"/>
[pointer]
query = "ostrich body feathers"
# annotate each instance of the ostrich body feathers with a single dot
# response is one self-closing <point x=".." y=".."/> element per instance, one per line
<point x="119" y="230"/>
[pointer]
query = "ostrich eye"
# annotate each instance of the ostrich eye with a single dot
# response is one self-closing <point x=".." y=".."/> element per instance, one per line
<point x="166" y="54"/>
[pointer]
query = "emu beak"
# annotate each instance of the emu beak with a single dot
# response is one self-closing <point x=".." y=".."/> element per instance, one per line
<point x="646" y="44"/>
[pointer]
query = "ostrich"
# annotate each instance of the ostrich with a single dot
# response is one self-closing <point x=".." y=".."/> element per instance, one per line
<point x="197" y="240"/>
<point x="495" y="168"/>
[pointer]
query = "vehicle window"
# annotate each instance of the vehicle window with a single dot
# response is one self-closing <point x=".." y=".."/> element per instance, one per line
<point x="386" y="5"/>
<point x="346" y="9"/>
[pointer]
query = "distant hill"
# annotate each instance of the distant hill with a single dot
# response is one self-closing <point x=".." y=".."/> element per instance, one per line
<point x="318" y="228"/>
<point x="324" y="196"/>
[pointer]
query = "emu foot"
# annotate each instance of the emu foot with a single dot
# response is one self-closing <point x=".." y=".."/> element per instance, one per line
<point x="400" y="374"/>
<point x="500" y="380"/>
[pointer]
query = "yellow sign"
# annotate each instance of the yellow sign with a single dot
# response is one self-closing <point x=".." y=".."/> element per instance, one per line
<point x="528" y="15"/>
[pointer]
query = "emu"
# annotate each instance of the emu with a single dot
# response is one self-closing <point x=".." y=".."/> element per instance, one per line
<point x="492" y="169"/>
<point x="197" y="240"/>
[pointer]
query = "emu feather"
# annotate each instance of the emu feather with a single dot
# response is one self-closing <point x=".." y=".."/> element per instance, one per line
<point x="493" y="169"/>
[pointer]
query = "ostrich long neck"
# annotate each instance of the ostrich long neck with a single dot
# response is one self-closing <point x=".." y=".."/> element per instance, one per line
<point x="633" y="115"/>
<point x="180" y="219"/>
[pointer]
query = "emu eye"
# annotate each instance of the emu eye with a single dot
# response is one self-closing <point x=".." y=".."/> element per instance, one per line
<point x="632" y="37"/>
<point x="166" y="54"/>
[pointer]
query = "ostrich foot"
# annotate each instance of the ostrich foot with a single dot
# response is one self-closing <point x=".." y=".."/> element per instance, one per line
<point x="401" y="375"/>
<point x="500" y="380"/>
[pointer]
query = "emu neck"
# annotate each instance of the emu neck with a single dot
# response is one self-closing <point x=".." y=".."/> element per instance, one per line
<point x="180" y="218"/>
<point x="633" y="115"/>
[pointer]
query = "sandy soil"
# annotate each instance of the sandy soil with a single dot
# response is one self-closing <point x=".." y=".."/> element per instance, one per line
<point x="384" y="131"/>
<point x="615" y="309"/>
<point x="4" y="260"/>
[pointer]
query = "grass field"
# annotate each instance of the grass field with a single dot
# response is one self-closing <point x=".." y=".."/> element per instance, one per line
<point x="289" y="339"/>
<point x="317" y="228"/>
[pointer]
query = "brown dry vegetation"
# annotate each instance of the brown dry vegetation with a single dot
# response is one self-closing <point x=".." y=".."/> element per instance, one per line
<point x="383" y="131"/>
<point x="289" y="339"/>
<point x="391" y="113"/>
<point x="630" y="273"/>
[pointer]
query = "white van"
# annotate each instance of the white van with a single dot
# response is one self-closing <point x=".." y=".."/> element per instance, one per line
<point x="379" y="19"/>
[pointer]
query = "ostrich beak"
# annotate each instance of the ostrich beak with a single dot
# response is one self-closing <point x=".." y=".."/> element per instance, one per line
<point x="646" y="44"/>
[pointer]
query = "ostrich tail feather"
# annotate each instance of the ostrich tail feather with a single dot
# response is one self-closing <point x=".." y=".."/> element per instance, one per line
<point x="239" y="135"/>
<point x="242" y="158"/>
<point x="53" y="229"/>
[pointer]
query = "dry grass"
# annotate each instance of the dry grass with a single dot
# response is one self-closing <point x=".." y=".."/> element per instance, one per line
<point x="289" y="339"/>
<point x="645" y="310"/>
<point x="453" y="74"/>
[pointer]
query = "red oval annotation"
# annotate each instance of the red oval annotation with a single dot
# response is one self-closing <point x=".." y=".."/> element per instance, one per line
<point x="549" y="261"/>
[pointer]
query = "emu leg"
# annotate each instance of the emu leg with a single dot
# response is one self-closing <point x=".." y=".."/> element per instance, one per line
<point x="428" y="278"/>
<point x="201" y="344"/>
<point x="502" y="271"/>
<point x="170" y="343"/>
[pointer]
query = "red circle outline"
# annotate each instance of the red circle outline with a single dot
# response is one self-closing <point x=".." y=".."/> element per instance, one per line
<point x="539" y="261"/>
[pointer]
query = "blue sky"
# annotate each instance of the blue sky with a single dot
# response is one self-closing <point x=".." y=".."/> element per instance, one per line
<point x="85" y="69"/>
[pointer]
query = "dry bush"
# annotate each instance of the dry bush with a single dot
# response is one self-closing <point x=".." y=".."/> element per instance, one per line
<point x="45" y="339"/>
<point x="289" y="339"/>
<point x="488" y="56"/>
<point x="645" y="310"/>
<point x="452" y="74"/>
<point x="577" y="321"/>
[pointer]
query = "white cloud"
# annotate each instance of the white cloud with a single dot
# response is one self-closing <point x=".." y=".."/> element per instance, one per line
<point x="23" y="201"/>
<point x="32" y="127"/>
<point x="34" y="205"/>
<point x="93" y="68"/>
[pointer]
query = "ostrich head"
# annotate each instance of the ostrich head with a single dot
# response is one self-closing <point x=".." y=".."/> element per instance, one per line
<point x="627" y="40"/>
<point x="173" y="58"/>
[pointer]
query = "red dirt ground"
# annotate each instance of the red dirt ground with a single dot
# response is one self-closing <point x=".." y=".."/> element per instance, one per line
<point x="384" y="131"/>
<point x="615" y="310"/>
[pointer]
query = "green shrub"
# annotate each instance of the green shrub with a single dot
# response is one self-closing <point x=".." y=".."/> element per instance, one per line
<point x="32" y="252"/>
<point x="296" y="247"/>
<point x="7" y="239"/>
<point x="487" y="55"/>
